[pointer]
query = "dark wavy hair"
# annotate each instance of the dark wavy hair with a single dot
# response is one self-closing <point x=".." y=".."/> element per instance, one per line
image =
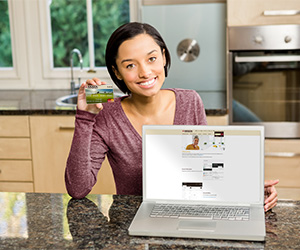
<point x="126" y="32"/>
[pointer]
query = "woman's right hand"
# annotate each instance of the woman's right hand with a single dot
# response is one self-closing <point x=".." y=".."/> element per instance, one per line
<point x="81" y="100"/>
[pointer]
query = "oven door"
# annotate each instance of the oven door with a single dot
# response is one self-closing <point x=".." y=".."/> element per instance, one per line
<point x="264" y="88"/>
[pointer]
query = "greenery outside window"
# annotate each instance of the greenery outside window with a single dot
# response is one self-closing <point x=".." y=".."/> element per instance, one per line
<point x="5" y="37"/>
<point x="85" y="25"/>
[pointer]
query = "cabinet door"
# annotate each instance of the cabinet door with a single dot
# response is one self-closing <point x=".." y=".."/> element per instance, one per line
<point x="266" y="12"/>
<point x="51" y="141"/>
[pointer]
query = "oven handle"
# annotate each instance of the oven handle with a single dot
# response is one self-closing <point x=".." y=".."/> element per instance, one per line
<point x="281" y="12"/>
<point x="291" y="58"/>
<point x="282" y="154"/>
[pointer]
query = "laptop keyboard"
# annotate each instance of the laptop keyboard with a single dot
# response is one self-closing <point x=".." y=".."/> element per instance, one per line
<point x="200" y="212"/>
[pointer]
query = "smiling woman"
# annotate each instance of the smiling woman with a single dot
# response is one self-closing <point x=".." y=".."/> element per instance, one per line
<point x="137" y="59"/>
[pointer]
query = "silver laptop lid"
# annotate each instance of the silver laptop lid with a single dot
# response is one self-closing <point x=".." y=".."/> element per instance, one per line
<point x="203" y="164"/>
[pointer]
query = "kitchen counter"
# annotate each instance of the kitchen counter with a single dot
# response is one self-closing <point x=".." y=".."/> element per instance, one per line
<point x="33" y="102"/>
<point x="55" y="221"/>
<point x="42" y="102"/>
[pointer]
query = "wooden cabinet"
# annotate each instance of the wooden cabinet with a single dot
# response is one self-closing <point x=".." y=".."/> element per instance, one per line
<point x="51" y="138"/>
<point x="282" y="161"/>
<point x="34" y="151"/>
<point x="216" y="120"/>
<point x="15" y="154"/>
<point x="266" y="12"/>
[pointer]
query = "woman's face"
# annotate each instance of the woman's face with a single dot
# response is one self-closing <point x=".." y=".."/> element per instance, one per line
<point x="196" y="141"/>
<point x="140" y="65"/>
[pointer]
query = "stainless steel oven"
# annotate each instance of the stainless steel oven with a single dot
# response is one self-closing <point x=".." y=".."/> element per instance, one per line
<point x="264" y="78"/>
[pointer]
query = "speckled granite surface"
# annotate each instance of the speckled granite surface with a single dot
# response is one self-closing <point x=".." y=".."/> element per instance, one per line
<point x="55" y="221"/>
<point x="42" y="102"/>
<point x="33" y="102"/>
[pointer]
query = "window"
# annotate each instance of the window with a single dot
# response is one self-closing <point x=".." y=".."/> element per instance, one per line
<point x="12" y="44"/>
<point x="84" y="24"/>
<point x="5" y="39"/>
<point x="37" y="37"/>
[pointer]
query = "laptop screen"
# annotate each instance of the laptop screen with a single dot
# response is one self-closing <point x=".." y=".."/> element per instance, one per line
<point x="203" y="163"/>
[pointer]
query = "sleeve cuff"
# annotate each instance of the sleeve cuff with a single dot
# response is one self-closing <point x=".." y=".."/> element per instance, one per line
<point x="85" y="115"/>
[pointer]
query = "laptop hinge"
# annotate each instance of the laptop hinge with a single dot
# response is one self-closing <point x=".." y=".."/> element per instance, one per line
<point x="202" y="203"/>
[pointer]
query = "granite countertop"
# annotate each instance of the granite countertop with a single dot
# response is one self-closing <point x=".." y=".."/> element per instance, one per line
<point x="55" y="221"/>
<point x="42" y="102"/>
<point x="33" y="102"/>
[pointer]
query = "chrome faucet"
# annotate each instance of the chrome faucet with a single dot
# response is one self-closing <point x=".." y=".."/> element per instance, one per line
<point x="74" y="86"/>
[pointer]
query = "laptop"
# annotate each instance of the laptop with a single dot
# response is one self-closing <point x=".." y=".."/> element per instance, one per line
<point x="202" y="182"/>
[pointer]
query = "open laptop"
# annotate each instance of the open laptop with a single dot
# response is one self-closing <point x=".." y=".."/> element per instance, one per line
<point x="213" y="191"/>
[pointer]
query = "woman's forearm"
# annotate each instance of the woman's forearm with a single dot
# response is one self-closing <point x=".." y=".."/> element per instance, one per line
<point x="80" y="175"/>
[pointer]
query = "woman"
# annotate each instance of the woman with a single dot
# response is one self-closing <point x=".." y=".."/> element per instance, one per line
<point x="194" y="145"/>
<point x="138" y="61"/>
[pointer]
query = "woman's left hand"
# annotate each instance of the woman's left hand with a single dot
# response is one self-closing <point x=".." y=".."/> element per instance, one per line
<point x="270" y="194"/>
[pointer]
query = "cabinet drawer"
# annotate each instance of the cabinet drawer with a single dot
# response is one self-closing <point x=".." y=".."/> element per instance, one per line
<point x="16" y="187"/>
<point x="15" y="170"/>
<point x="15" y="148"/>
<point x="277" y="147"/>
<point x="286" y="170"/>
<point x="266" y="12"/>
<point x="217" y="120"/>
<point x="14" y="126"/>
<point x="288" y="193"/>
<point x="282" y="162"/>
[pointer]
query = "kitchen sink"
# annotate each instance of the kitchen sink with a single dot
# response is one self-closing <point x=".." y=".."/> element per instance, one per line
<point x="71" y="100"/>
<point x="67" y="101"/>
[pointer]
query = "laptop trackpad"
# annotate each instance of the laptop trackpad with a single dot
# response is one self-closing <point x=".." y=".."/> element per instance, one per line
<point x="196" y="225"/>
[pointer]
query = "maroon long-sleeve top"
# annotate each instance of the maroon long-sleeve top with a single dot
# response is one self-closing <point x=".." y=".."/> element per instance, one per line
<point x="111" y="133"/>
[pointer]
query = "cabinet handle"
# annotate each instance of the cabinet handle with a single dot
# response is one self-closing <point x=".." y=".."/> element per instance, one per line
<point x="281" y="12"/>
<point x="66" y="127"/>
<point x="282" y="154"/>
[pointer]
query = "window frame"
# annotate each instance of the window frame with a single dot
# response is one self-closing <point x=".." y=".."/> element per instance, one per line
<point x="49" y="71"/>
<point x="17" y="74"/>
